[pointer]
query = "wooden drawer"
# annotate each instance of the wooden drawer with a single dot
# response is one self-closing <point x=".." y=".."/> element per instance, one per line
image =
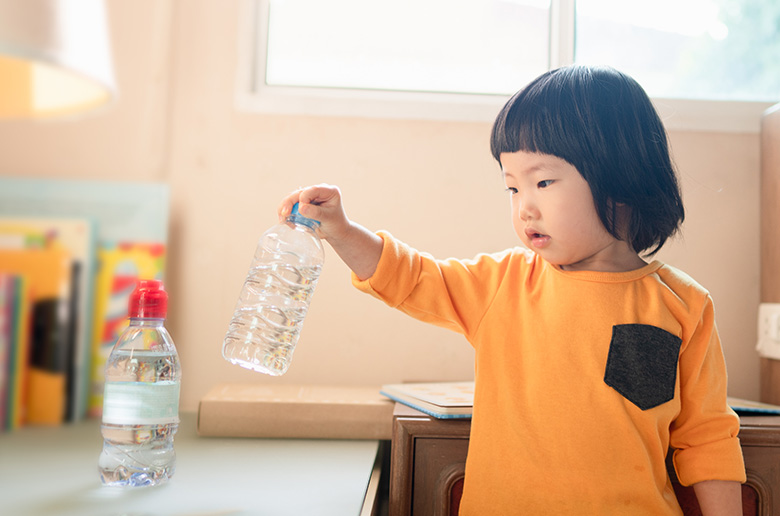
<point x="428" y="460"/>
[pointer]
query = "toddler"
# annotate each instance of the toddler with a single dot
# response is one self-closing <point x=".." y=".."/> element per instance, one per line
<point x="592" y="359"/>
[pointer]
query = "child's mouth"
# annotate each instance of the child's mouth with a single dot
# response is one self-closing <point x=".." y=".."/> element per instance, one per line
<point x="537" y="239"/>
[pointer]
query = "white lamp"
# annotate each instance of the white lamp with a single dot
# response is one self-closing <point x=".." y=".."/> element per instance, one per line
<point x="55" y="58"/>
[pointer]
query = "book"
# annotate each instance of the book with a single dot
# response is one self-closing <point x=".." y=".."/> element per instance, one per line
<point x="19" y="352"/>
<point x="120" y="267"/>
<point x="295" y="411"/>
<point x="442" y="400"/>
<point x="124" y="214"/>
<point x="48" y="273"/>
<point x="77" y="236"/>
<point x="6" y="341"/>
<point x="456" y="399"/>
<point x="753" y="408"/>
<point x="123" y="211"/>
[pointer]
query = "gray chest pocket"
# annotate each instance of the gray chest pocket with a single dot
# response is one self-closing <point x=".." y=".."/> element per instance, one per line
<point x="642" y="364"/>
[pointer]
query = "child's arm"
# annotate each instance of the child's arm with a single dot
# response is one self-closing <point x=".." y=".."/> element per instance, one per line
<point x="719" y="497"/>
<point x="358" y="247"/>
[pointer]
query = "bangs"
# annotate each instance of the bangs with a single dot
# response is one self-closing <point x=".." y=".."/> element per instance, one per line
<point x="528" y="123"/>
<point x="512" y="132"/>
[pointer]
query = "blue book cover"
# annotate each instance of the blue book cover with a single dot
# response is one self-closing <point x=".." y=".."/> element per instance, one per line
<point x="754" y="408"/>
<point x="442" y="400"/>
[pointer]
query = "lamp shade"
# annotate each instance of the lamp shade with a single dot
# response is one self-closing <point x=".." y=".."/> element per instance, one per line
<point x="55" y="57"/>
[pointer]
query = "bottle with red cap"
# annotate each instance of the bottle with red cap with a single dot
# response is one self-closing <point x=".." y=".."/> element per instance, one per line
<point x="141" y="396"/>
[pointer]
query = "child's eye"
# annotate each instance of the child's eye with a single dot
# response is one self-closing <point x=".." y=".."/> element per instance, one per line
<point x="511" y="190"/>
<point x="545" y="183"/>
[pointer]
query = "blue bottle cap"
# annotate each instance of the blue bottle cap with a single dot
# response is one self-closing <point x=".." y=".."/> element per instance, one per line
<point x="297" y="218"/>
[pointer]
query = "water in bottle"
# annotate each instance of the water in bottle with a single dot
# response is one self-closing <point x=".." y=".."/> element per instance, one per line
<point x="275" y="297"/>
<point x="141" y="396"/>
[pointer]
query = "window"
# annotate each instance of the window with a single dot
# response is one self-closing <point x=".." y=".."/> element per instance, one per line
<point x="697" y="49"/>
<point x="461" y="59"/>
<point x="444" y="46"/>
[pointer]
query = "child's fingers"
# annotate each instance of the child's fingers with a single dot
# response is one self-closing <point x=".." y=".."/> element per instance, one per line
<point x="322" y="203"/>
<point x="310" y="198"/>
<point x="285" y="207"/>
<point x="319" y="194"/>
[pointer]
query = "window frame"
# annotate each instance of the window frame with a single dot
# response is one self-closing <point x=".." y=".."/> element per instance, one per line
<point x="254" y="96"/>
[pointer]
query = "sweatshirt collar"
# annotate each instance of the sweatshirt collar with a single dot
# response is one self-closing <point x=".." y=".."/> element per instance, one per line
<point x="607" y="277"/>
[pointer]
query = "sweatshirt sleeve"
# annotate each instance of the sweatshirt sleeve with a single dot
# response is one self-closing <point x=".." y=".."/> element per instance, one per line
<point x="450" y="293"/>
<point x="704" y="435"/>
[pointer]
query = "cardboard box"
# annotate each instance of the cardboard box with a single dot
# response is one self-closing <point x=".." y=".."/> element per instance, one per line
<point x="295" y="411"/>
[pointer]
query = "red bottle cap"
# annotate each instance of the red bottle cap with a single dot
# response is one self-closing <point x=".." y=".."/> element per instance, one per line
<point x="149" y="300"/>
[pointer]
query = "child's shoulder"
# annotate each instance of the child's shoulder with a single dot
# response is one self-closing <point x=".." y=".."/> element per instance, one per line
<point x="680" y="281"/>
<point x="676" y="275"/>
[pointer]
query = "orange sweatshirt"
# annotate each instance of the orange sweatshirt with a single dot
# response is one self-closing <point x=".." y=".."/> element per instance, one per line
<point x="583" y="380"/>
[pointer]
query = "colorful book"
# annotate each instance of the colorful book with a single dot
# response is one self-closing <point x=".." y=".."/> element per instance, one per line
<point x="19" y="353"/>
<point x="14" y="315"/>
<point x="77" y="236"/>
<point x="6" y="312"/>
<point x="124" y="214"/>
<point x="48" y="273"/>
<point x="120" y="267"/>
<point x="442" y="400"/>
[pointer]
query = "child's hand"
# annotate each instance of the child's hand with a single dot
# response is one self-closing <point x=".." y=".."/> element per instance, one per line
<point x="358" y="247"/>
<point x="322" y="203"/>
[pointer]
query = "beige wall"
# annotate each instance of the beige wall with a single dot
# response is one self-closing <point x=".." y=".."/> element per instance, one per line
<point x="433" y="184"/>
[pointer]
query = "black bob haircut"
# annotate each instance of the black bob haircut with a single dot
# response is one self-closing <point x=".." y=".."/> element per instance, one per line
<point x="602" y="122"/>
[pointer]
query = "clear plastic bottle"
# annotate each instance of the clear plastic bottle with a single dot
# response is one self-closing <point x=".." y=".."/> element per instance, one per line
<point x="275" y="297"/>
<point x="141" y="396"/>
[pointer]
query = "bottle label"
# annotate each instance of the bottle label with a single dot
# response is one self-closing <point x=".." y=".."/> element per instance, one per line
<point x="141" y="403"/>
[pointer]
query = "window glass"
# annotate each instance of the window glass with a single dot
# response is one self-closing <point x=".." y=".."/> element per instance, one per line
<point x="452" y="46"/>
<point x="696" y="49"/>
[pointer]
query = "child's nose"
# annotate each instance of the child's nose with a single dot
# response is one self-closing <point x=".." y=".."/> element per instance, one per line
<point x="526" y="210"/>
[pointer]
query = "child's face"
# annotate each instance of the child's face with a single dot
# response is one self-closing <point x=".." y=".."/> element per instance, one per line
<point x="554" y="215"/>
